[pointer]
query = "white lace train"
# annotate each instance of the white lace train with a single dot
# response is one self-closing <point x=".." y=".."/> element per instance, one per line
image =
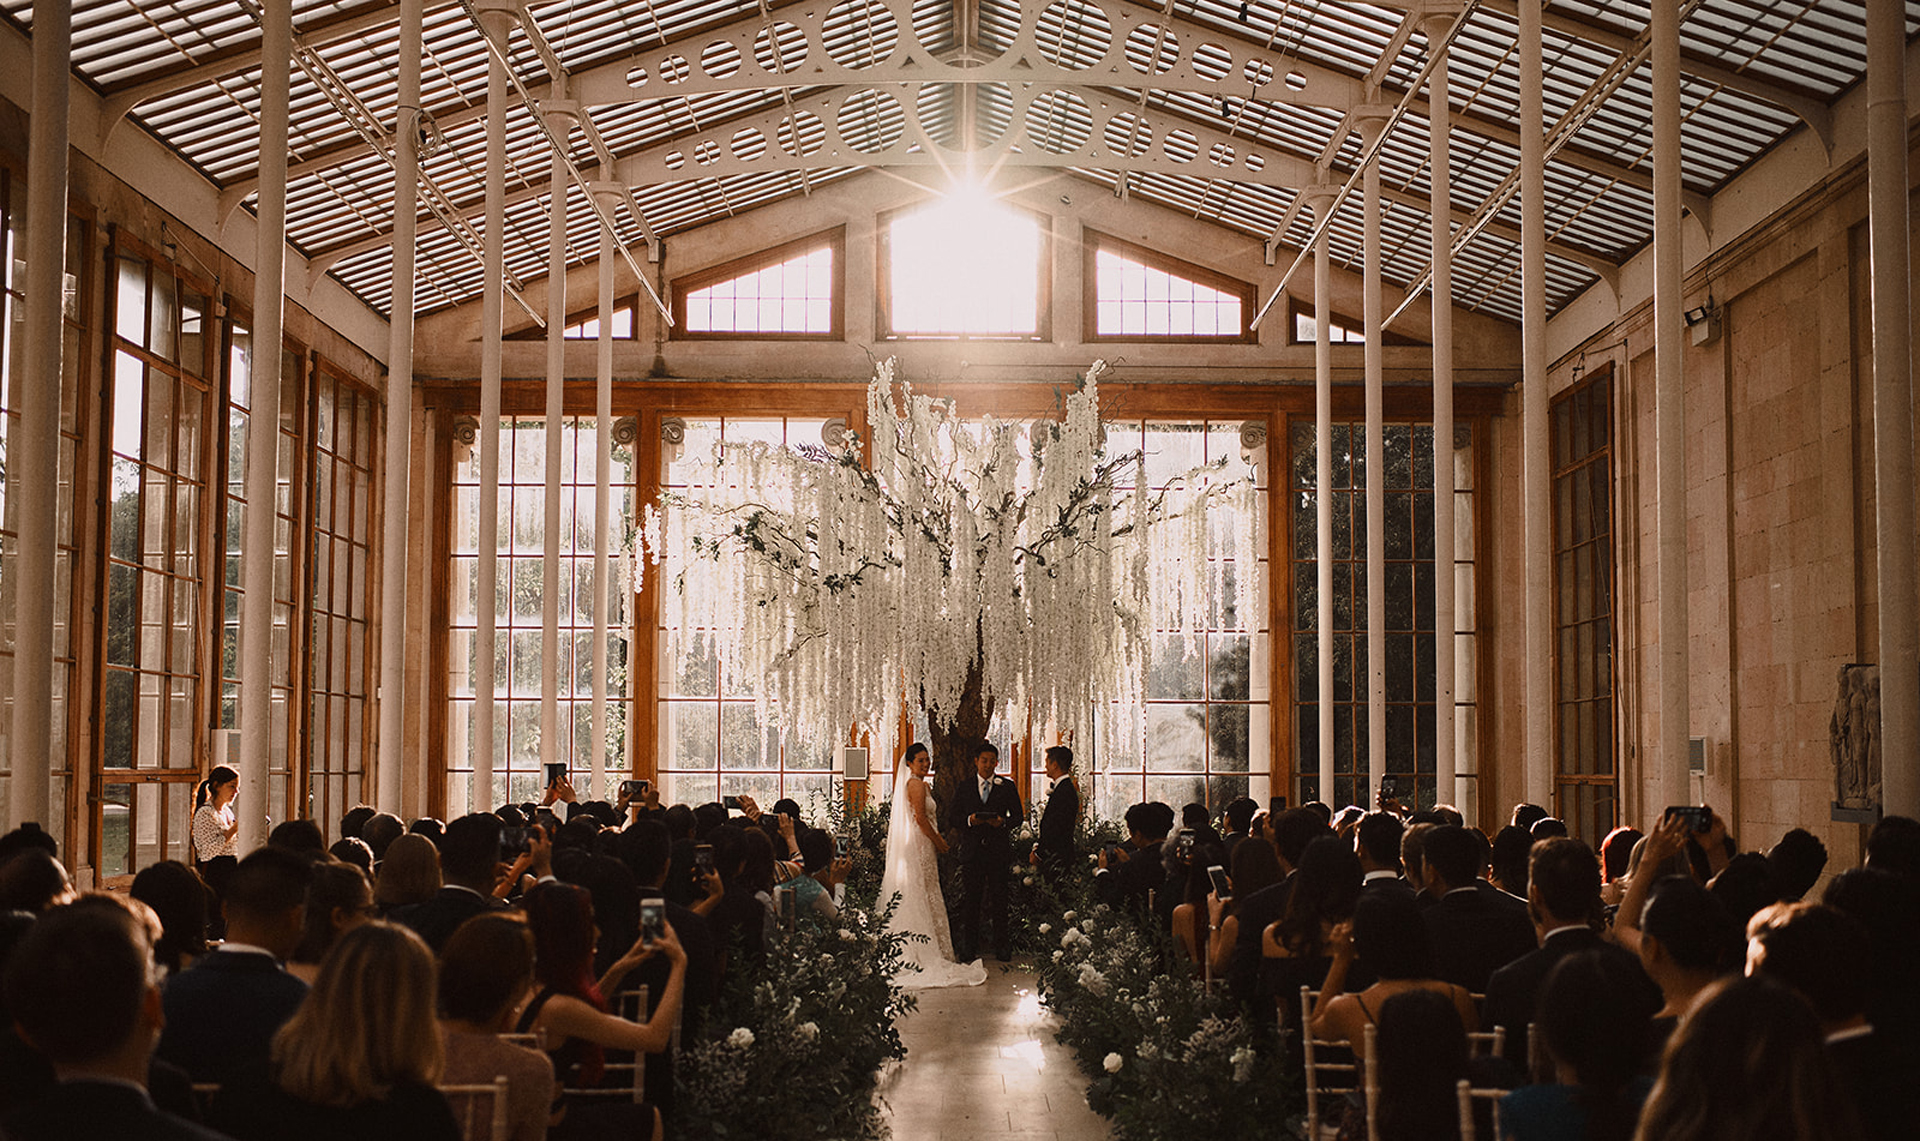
<point x="913" y="871"/>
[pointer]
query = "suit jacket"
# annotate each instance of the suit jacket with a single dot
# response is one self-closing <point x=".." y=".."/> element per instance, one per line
<point x="222" y="1013"/>
<point x="1475" y="933"/>
<point x="1361" y="975"/>
<point x="436" y="918"/>
<point x="84" y="1110"/>
<point x="1879" y="1082"/>
<point x="1132" y="883"/>
<point x="984" y="842"/>
<point x="1513" y="991"/>
<point x="1058" y="820"/>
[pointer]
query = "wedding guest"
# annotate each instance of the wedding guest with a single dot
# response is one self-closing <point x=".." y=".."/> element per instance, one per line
<point x="1796" y="862"/>
<point x="354" y="820"/>
<point x="1255" y="868"/>
<point x="648" y="852"/>
<point x="222" y="1012"/>
<point x="1296" y="947"/>
<point x="1255" y="911"/>
<point x="1687" y="942"/>
<point x="1525" y="815"/>
<point x="35" y="882"/>
<point x="1191" y="929"/>
<point x="1546" y="828"/>
<point x="353" y="850"/>
<point x="1475" y="930"/>
<point x="1413" y="861"/>
<point x="485" y="974"/>
<point x="1894" y="845"/>
<point x="1421" y="1054"/>
<point x="302" y="836"/>
<point x="470" y="863"/>
<point x="813" y="892"/>
<point x="178" y="896"/>
<point x="1239" y="822"/>
<point x="1053" y="852"/>
<point x="1745" y="885"/>
<point x="1511" y="848"/>
<point x="1386" y="933"/>
<point x="83" y="988"/>
<point x="1616" y="852"/>
<point x="338" y="900"/>
<point x="1127" y="877"/>
<point x="430" y="827"/>
<point x="381" y="830"/>
<point x="410" y="874"/>
<point x="1595" y="1036"/>
<point x="1888" y="907"/>
<point x="359" y="1059"/>
<point x="1748" y="1064"/>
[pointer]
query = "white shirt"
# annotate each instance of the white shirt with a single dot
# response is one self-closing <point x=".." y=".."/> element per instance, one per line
<point x="1382" y="874"/>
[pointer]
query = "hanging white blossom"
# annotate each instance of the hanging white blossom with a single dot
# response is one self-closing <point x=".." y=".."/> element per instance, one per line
<point x="833" y="582"/>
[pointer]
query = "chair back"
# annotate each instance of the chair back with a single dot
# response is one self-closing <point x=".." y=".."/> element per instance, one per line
<point x="1326" y="1076"/>
<point x="624" y="1079"/>
<point x="466" y="1102"/>
<point x="1370" y="1076"/>
<point x="1487" y="1043"/>
<point x="1467" y="1095"/>
<point x="536" y="1040"/>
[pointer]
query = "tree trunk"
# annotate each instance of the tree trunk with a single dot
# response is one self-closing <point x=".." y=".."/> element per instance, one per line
<point x="953" y="745"/>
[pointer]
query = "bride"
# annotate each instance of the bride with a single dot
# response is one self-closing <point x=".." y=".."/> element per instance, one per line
<point x="914" y="872"/>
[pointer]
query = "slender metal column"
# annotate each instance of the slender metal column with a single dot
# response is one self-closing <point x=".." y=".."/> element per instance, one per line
<point x="560" y="119"/>
<point x="1669" y="402"/>
<point x="602" y="506"/>
<point x="393" y="539"/>
<point x="263" y="430"/>
<point x="1445" y="644"/>
<point x="1893" y="407"/>
<point x="36" y="439"/>
<point x="486" y="590"/>
<point x="1324" y="202"/>
<point x="1536" y="464"/>
<point x="1370" y="127"/>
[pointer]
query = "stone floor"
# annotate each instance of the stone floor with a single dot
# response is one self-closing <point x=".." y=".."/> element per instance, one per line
<point x="982" y="1063"/>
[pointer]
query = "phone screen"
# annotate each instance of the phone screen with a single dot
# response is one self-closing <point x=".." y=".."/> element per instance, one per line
<point x="731" y="803"/>
<point x="842" y="847"/>
<point x="555" y="770"/>
<point x="653" y="921"/>
<point x="1390" y="787"/>
<point x="703" y="859"/>
<point x="1222" y="886"/>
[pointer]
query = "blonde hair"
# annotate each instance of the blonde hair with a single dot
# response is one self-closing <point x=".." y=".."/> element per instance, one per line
<point x="367" y="1025"/>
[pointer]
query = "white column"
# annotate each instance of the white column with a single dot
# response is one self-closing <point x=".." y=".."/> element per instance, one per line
<point x="1536" y="464"/>
<point x="492" y="297"/>
<point x="602" y="462"/>
<point x="393" y="538"/>
<point x="1372" y="122"/>
<point x="263" y="431"/>
<point x="560" y="116"/>
<point x="1893" y="407"/>
<point x="1323" y="204"/>
<point x="1444" y="641"/>
<point x="1669" y="402"/>
<point x="36" y="440"/>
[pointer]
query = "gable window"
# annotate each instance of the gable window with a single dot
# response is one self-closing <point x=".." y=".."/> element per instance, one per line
<point x="1141" y="294"/>
<point x="584" y="324"/>
<point x="964" y="266"/>
<point x="793" y="291"/>
<point x="1342" y="330"/>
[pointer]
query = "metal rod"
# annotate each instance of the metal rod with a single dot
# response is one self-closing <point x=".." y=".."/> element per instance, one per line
<point x="487" y="581"/>
<point x="1899" y="633"/>
<point x="390" y="766"/>
<point x="36" y="438"/>
<point x="263" y="430"/>
<point x="1445" y="640"/>
<point x="1536" y="465"/>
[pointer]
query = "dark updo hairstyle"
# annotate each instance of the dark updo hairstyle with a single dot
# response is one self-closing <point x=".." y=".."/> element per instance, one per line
<point x="220" y="775"/>
<point x="1325" y="889"/>
<point x="1691" y="925"/>
<point x="1390" y="938"/>
<point x="179" y="897"/>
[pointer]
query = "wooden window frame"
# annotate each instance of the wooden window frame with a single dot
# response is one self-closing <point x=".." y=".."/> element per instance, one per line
<point x="1093" y="243"/>
<point x="1607" y="455"/>
<point x="630" y="303"/>
<point x="834" y="239"/>
<point x="1298" y="307"/>
<point x="883" y="283"/>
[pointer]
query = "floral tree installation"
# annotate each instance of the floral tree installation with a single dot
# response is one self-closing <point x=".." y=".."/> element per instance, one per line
<point x="960" y="564"/>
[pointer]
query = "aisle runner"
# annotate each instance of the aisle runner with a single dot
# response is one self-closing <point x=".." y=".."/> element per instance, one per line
<point x="982" y="1063"/>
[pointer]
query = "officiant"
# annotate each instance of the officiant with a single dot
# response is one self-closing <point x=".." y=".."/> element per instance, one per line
<point x="984" y="812"/>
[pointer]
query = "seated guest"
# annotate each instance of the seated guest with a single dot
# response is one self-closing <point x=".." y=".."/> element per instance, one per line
<point x="1508" y="861"/>
<point x="32" y="880"/>
<point x="1377" y="842"/>
<point x="1748" y="1064"/>
<point x="1296" y="947"/>
<point x="1746" y="885"/>
<point x="470" y="863"/>
<point x="353" y="850"/>
<point x="1888" y="906"/>
<point x="1413" y="861"/>
<point x="430" y="827"/>
<point x="1616" y="851"/>
<point x="380" y="830"/>
<point x="1421" y="1055"/>
<point x="1191" y="930"/>
<point x="1822" y="953"/>
<point x="1386" y="934"/>
<point x="1797" y="861"/>
<point x="1239" y="821"/>
<point x="649" y="852"/>
<point x="1687" y="942"/>
<point x="1256" y="911"/>
<point x="1595" y="1036"/>
<point x="338" y="900"/>
<point x="83" y="989"/>
<point x="179" y="897"/>
<point x="1526" y="815"/>
<point x="359" y="1059"/>
<point x="485" y="974"/>
<point x="571" y="1010"/>
<point x="222" y="1012"/>
<point x="355" y="819"/>
<point x="1126" y="877"/>
<point x="1254" y="869"/>
<point x="813" y="892"/>
<point x="301" y="836"/>
<point x="1546" y="828"/>
<point x="1894" y="846"/>
<point x="410" y="874"/>
<point x="1564" y="895"/>
<point x="1474" y="930"/>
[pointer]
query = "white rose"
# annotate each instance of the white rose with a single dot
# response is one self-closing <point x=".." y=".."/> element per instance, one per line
<point x="807" y="1031"/>
<point x="1087" y="926"/>
<point x="1068" y="917"/>
<point x="1046" y="929"/>
<point x="1113" y="1063"/>
<point x="1059" y="955"/>
<point x="741" y="1038"/>
<point x="1027" y="880"/>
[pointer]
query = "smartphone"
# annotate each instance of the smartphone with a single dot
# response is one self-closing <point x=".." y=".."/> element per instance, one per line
<point x="634" y="789"/>
<point x="555" y="771"/>
<point x="842" y="847"/>
<point x="703" y="859"/>
<point x="732" y="803"/>
<point x="1276" y="805"/>
<point x="653" y="921"/>
<point x="1699" y="817"/>
<point x="1185" y="845"/>
<point x="1390" y="788"/>
<point x="515" y="842"/>
<point x="1222" y="886"/>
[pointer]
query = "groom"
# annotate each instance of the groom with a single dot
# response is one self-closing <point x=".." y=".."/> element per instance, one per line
<point x="985" y="810"/>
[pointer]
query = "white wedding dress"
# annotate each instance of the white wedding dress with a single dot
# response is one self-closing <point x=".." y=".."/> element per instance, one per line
<point x="913" y="871"/>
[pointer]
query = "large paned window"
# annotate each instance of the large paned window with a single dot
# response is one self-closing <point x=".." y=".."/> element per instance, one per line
<point x="1206" y="715"/>
<point x="794" y="291"/>
<point x="518" y="593"/>
<point x="1136" y="293"/>
<point x="154" y="711"/>
<point x="712" y="743"/>
<point x="1410" y="639"/>
<point x="1586" y="792"/>
<point x="964" y="266"/>
<point x="12" y="361"/>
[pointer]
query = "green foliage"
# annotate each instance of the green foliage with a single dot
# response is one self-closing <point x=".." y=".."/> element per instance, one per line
<point x="794" y="1045"/>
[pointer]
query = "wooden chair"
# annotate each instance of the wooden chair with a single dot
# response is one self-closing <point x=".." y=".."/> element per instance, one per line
<point x="1487" y="1043"/>
<point x="472" y="1097"/>
<point x="1467" y="1095"/>
<point x="1323" y="1078"/>
<point x="534" y="1041"/>
<point x="626" y="1079"/>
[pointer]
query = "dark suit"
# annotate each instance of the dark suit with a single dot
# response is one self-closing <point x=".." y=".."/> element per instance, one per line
<point x="1131" y="884"/>
<point x="1513" y="991"/>
<point x="1475" y="933"/>
<point x="1057" y="823"/>
<point x="984" y="852"/>
<point x="1361" y="975"/>
<point x="82" y="1110"/>
<point x="436" y="918"/>
<point x="222" y="1013"/>
<point x="1879" y="1082"/>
